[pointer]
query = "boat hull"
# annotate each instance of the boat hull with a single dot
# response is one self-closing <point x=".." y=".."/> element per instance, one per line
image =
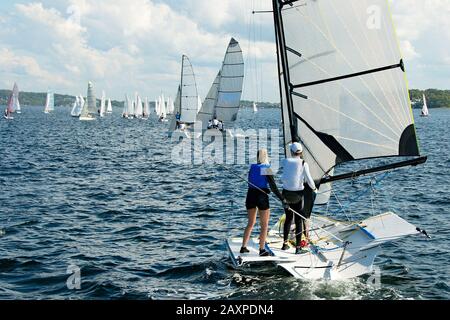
<point x="326" y="257"/>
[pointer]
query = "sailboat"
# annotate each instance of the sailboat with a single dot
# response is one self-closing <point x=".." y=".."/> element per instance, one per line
<point x="146" y="112"/>
<point x="109" y="108"/>
<point x="9" y="107"/>
<point x="49" y="102"/>
<point x="77" y="106"/>
<point x="224" y="97"/>
<point x="125" y="107"/>
<point x="138" y="109"/>
<point x="90" y="107"/>
<point x="162" y="109"/>
<point x="255" y="108"/>
<point x="188" y="97"/>
<point x="102" y="109"/>
<point x="425" y="112"/>
<point x="15" y="99"/>
<point x="345" y="101"/>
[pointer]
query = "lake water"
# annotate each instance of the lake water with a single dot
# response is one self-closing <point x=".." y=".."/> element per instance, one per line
<point x="106" y="198"/>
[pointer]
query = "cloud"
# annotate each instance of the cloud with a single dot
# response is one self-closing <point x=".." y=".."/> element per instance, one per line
<point x="128" y="45"/>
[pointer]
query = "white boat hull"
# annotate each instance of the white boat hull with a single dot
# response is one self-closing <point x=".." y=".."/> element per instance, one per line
<point x="87" y="118"/>
<point x="326" y="257"/>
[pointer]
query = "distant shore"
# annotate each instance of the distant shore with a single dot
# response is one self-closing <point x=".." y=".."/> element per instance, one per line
<point x="435" y="98"/>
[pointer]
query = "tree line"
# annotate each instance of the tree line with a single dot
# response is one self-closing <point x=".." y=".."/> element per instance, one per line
<point x="435" y="98"/>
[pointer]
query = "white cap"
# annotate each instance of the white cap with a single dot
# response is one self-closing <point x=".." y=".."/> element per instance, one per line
<point x="296" y="148"/>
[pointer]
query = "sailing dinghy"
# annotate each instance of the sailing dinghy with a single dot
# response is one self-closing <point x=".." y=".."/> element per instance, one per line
<point x="186" y="103"/>
<point x="9" y="107"/>
<point x="15" y="99"/>
<point x="224" y="97"/>
<point x="425" y="112"/>
<point x="90" y="107"/>
<point x="344" y="97"/>
<point x="102" y="109"/>
<point x="49" y="102"/>
<point x="109" y="108"/>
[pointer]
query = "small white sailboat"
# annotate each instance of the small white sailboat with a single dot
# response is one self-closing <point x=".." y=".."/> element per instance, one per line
<point x="326" y="105"/>
<point x="139" y="110"/>
<point x="76" y="110"/>
<point x="102" y="109"/>
<point x="255" y="108"/>
<point x="49" y="102"/>
<point x="146" y="112"/>
<point x="125" y="107"/>
<point x="90" y="107"/>
<point x="109" y="108"/>
<point x="425" y="112"/>
<point x="162" y="109"/>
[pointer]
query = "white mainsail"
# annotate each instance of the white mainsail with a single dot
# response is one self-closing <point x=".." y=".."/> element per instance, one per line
<point x="176" y="110"/>
<point x="189" y="93"/>
<point x="255" y="108"/>
<point x="146" y="112"/>
<point x="162" y="107"/>
<point x="125" y="107"/>
<point x="15" y="97"/>
<point x="103" y="105"/>
<point x="49" y="102"/>
<point x="139" y="110"/>
<point x="90" y="107"/>
<point x="77" y="106"/>
<point x="109" y="108"/>
<point x="170" y="107"/>
<point x="425" y="111"/>
<point x="348" y="94"/>
<point x="207" y="111"/>
<point x="230" y="88"/>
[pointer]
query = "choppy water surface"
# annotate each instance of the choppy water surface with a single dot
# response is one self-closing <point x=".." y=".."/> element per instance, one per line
<point x="105" y="196"/>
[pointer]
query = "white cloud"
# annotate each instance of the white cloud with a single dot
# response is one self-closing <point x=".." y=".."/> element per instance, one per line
<point x="128" y="45"/>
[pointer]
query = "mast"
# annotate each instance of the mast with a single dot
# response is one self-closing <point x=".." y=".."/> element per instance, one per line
<point x="283" y="62"/>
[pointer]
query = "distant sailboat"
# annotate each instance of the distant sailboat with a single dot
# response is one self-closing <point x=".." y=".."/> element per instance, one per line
<point x="425" y="112"/>
<point x="109" y="108"/>
<point x="90" y="107"/>
<point x="255" y="108"/>
<point x="49" y="102"/>
<point x="15" y="97"/>
<point x="138" y="113"/>
<point x="77" y="106"/>
<point x="186" y="104"/>
<point x="125" y="107"/>
<point x="102" y="110"/>
<point x="9" y="108"/>
<point x="146" y="112"/>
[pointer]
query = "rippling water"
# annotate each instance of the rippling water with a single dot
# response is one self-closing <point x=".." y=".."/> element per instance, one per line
<point x="105" y="197"/>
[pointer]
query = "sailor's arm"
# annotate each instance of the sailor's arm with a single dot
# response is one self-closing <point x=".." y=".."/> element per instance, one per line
<point x="309" y="178"/>
<point x="273" y="185"/>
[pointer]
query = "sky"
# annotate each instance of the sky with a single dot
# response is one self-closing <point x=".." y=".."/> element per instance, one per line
<point x="124" y="46"/>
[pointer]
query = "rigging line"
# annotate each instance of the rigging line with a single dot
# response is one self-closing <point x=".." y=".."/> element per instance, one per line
<point x="365" y="60"/>
<point x="366" y="142"/>
<point x="349" y="91"/>
<point x="375" y="57"/>
<point x="354" y="120"/>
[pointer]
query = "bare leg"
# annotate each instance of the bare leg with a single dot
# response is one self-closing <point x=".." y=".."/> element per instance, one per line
<point x="251" y="223"/>
<point x="264" y="222"/>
